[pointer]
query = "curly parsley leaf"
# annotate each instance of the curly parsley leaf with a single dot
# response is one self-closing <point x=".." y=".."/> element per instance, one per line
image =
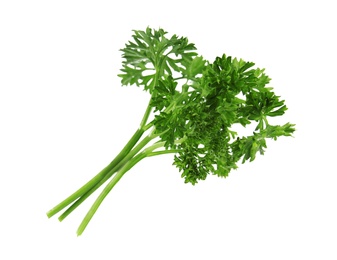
<point x="151" y="57"/>
<point x="216" y="108"/>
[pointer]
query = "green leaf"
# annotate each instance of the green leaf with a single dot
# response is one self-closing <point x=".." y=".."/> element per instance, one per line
<point x="152" y="53"/>
<point x="195" y="67"/>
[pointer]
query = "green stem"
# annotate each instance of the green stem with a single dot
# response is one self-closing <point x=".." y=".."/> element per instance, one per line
<point x="134" y="139"/>
<point x="106" y="191"/>
<point x="124" y="165"/>
<point x="124" y="161"/>
<point x="146" y="115"/>
<point x="92" y="183"/>
<point x="163" y="152"/>
<point x="157" y="145"/>
<point x="148" y="152"/>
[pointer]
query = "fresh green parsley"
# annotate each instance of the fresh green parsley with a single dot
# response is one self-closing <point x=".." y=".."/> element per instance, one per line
<point x="194" y="105"/>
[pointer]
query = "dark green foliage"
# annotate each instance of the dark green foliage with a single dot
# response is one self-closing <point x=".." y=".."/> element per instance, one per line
<point x="197" y="103"/>
<point x="196" y="106"/>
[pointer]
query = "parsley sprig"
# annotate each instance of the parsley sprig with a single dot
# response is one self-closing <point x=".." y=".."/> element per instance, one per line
<point x="195" y="105"/>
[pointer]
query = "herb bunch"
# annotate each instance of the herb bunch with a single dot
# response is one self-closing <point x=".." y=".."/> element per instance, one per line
<point x="194" y="106"/>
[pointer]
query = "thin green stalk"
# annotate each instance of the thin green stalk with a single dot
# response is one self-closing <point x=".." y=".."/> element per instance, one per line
<point x="148" y="152"/>
<point x="134" y="139"/>
<point x="106" y="191"/>
<point x="125" y="165"/>
<point x="146" y="115"/>
<point x="157" y="145"/>
<point x="162" y="152"/>
<point x="92" y="183"/>
<point x="125" y="160"/>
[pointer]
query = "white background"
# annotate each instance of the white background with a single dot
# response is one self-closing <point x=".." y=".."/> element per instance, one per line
<point x="63" y="116"/>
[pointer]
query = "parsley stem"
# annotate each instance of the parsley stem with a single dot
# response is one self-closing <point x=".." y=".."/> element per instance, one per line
<point x="106" y="191"/>
<point x="108" y="170"/>
<point x="146" y="116"/>
<point x="86" y="187"/>
<point x="107" y="176"/>
<point x="126" y="164"/>
<point x="163" y="152"/>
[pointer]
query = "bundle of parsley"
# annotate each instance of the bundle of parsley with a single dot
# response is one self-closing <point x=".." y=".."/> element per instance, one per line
<point x="195" y="104"/>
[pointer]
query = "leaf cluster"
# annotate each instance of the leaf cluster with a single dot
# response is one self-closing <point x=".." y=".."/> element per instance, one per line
<point x="197" y="103"/>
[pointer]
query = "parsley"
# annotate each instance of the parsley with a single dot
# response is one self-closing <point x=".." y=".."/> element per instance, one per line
<point x="195" y="104"/>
